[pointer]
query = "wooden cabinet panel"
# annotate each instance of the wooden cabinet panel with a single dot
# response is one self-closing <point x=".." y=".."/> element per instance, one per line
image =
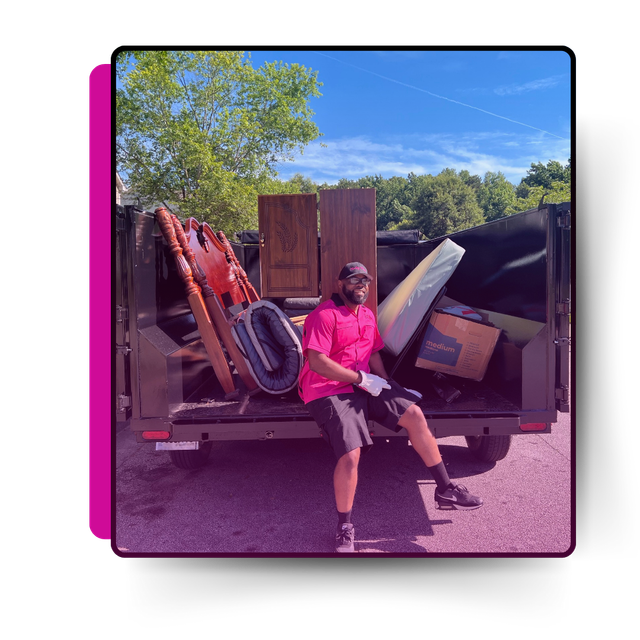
<point x="348" y="234"/>
<point x="288" y="228"/>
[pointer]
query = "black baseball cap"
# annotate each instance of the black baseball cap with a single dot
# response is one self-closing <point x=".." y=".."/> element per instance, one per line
<point x="352" y="269"/>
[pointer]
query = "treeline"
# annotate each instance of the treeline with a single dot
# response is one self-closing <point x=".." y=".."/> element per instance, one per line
<point x="450" y="201"/>
<point x="204" y="132"/>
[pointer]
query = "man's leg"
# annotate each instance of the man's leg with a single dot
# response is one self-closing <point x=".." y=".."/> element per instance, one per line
<point x="345" y="479"/>
<point x="422" y="439"/>
<point x="447" y="494"/>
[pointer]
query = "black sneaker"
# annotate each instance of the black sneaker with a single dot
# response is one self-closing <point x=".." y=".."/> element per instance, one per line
<point x="344" y="538"/>
<point x="456" y="497"/>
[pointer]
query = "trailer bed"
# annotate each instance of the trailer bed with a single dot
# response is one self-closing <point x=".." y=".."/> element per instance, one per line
<point x="476" y="398"/>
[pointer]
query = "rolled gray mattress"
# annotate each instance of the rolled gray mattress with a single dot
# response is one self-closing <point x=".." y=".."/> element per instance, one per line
<point x="270" y="344"/>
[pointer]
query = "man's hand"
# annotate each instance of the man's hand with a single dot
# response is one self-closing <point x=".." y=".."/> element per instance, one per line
<point x="373" y="384"/>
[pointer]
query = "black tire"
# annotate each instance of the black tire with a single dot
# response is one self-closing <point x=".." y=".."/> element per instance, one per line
<point x="191" y="459"/>
<point x="489" y="448"/>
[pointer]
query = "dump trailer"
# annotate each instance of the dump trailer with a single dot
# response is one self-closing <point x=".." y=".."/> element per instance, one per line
<point x="516" y="271"/>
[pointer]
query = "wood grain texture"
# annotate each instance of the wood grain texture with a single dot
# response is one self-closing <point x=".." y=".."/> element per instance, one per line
<point x="288" y="231"/>
<point x="212" y="300"/>
<point x="348" y="234"/>
<point x="198" y="308"/>
<point x="211" y="254"/>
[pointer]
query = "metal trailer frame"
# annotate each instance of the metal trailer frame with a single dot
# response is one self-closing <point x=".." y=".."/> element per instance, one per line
<point x="518" y="267"/>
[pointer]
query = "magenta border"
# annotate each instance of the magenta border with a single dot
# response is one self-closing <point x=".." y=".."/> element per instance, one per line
<point x="100" y="198"/>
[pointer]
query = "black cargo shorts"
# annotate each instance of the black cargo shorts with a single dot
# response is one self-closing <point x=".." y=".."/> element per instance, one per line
<point x="344" y="418"/>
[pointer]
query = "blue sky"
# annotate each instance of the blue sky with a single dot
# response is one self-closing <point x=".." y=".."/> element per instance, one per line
<point x="392" y="112"/>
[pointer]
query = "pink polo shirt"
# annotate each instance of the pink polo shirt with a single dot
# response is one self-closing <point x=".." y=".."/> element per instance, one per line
<point x="348" y="339"/>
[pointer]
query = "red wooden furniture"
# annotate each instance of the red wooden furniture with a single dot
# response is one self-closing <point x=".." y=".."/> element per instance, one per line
<point x="226" y="287"/>
<point x="198" y="307"/>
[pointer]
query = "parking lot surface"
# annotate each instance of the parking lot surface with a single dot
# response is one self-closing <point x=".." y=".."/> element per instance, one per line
<point x="276" y="497"/>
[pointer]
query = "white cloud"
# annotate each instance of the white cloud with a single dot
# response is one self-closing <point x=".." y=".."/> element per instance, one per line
<point x="477" y="152"/>
<point x="534" y="85"/>
<point x="352" y="158"/>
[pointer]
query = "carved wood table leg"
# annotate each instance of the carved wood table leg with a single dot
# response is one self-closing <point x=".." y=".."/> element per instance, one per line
<point x="215" y="309"/>
<point x="196" y="302"/>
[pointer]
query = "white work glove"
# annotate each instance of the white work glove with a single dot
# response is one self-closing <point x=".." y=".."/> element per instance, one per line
<point x="415" y="393"/>
<point x="373" y="384"/>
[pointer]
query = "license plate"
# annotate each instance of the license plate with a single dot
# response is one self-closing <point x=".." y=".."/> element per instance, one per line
<point x="177" y="446"/>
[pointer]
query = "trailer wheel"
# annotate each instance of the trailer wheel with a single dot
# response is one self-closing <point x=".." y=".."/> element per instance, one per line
<point x="191" y="459"/>
<point x="489" y="448"/>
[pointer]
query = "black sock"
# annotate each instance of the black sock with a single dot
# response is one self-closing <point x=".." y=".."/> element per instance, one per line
<point x="344" y="518"/>
<point x="441" y="476"/>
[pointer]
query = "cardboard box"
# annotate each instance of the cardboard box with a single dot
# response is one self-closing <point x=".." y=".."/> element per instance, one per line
<point x="457" y="346"/>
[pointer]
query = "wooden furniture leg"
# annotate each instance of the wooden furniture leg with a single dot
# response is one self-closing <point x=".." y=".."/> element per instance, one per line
<point x="252" y="295"/>
<point x="194" y="297"/>
<point x="215" y="309"/>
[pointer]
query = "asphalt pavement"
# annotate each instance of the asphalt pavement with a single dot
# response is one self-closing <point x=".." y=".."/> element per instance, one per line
<point x="275" y="497"/>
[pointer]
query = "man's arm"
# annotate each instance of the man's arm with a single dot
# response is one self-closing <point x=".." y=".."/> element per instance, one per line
<point x="377" y="367"/>
<point x="324" y="366"/>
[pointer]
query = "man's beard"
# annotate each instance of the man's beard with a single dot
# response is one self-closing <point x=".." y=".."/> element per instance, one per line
<point x="350" y="295"/>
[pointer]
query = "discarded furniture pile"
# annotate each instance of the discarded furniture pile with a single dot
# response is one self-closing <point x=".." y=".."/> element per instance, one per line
<point x="258" y="337"/>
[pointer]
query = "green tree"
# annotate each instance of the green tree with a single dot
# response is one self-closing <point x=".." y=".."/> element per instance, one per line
<point x="441" y="205"/>
<point x="496" y="196"/>
<point x="474" y="181"/>
<point x="298" y="183"/>
<point x="552" y="178"/>
<point x="392" y="202"/>
<point x="203" y="131"/>
<point x="541" y="175"/>
<point x="559" y="192"/>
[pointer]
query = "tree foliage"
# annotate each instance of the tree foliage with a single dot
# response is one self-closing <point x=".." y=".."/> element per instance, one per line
<point x="541" y="175"/>
<point x="203" y="131"/>
<point x="439" y="205"/>
<point x="496" y="196"/>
